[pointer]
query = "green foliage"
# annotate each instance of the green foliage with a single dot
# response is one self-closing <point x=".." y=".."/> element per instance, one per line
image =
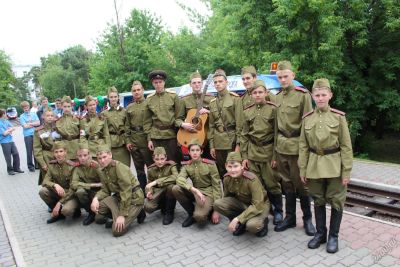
<point x="7" y="94"/>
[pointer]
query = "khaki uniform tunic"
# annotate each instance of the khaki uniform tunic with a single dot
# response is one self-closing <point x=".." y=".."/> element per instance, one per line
<point x="190" y="101"/>
<point x="292" y="103"/>
<point x="120" y="195"/>
<point x="116" y="118"/>
<point x="68" y="126"/>
<point x="166" y="179"/>
<point x="94" y="130"/>
<point x="247" y="99"/>
<point x="258" y="142"/>
<point x="326" y="129"/>
<point x="246" y="199"/>
<point x="42" y="146"/>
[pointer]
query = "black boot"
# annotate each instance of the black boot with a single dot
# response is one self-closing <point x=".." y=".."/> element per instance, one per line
<point x="170" y="204"/>
<point x="333" y="243"/>
<point x="290" y="218"/>
<point x="276" y="201"/>
<point x="307" y="215"/>
<point x="240" y="229"/>
<point x="140" y="218"/>
<point x="320" y="220"/>
<point x="77" y="213"/>
<point x="189" y="207"/>
<point x="89" y="218"/>
<point x="109" y="223"/>
<point x="54" y="219"/>
<point x="264" y="231"/>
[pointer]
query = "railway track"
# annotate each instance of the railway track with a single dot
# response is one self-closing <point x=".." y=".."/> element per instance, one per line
<point x="374" y="197"/>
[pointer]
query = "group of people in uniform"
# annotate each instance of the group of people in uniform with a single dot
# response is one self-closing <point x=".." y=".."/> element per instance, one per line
<point x="259" y="145"/>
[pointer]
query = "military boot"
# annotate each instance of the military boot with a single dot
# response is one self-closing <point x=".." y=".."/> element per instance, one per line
<point x="290" y="218"/>
<point x="109" y="223"/>
<point x="240" y="229"/>
<point x="89" y="218"/>
<point x="264" y="231"/>
<point x="140" y="218"/>
<point x="77" y="213"/>
<point x="320" y="220"/>
<point x="333" y="243"/>
<point x="189" y="207"/>
<point x="170" y="204"/>
<point x="55" y="219"/>
<point x="276" y="201"/>
<point x="307" y="215"/>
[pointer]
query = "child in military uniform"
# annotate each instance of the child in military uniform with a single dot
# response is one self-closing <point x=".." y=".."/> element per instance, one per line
<point x="56" y="191"/>
<point x="245" y="200"/>
<point x="325" y="160"/>
<point x="86" y="181"/>
<point x="161" y="177"/>
<point x="257" y="144"/>
<point x="120" y="197"/>
<point x="197" y="197"/>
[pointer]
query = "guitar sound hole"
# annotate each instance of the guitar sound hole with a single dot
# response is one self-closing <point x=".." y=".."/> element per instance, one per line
<point x="195" y="120"/>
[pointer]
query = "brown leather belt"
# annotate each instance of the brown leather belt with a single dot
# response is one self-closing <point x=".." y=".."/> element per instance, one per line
<point x="230" y="128"/>
<point x="94" y="137"/>
<point x="264" y="143"/>
<point x="295" y="133"/>
<point x="137" y="128"/>
<point x="164" y="127"/>
<point x="117" y="133"/>
<point x="69" y="137"/>
<point x="322" y="152"/>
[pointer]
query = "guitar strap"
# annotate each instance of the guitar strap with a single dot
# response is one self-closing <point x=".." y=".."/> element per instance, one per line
<point x="220" y="115"/>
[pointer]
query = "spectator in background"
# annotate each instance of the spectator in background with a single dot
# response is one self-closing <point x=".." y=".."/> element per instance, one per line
<point x="44" y="104"/>
<point x="34" y="107"/>
<point x="58" y="109"/>
<point x="8" y="145"/>
<point x="29" y="120"/>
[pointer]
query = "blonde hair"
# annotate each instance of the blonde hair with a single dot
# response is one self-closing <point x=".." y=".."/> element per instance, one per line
<point x="112" y="89"/>
<point x="137" y="83"/>
<point x="24" y="104"/>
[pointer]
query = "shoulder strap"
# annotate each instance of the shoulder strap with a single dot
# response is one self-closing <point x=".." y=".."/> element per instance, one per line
<point x="338" y="111"/>
<point x="308" y="114"/>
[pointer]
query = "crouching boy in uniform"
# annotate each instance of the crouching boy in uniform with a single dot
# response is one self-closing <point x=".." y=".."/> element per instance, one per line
<point x="86" y="181"/>
<point x="197" y="197"/>
<point x="55" y="191"/>
<point x="120" y="196"/>
<point x="161" y="177"/>
<point x="245" y="201"/>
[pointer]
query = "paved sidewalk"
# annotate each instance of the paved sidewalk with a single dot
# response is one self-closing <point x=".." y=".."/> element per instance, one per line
<point x="363" y="242"/>
<point x="6" y="255"/>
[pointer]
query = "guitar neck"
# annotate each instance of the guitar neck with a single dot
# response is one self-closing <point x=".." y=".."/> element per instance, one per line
<point x="200" y="103"/>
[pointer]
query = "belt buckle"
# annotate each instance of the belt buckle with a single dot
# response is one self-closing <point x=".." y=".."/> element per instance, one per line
<point x="320" y="151"/>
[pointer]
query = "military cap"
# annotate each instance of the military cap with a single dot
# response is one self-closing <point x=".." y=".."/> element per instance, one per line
<point x="257" y="84"/>
<point x="321" y="83"/>
<point x="59" y="145"/>
<point x="83" y="145"/>
<point x="194" y="142"/>
<point x="66" y="99"/>
<point x="103" y="148"/>
<point x="159" y="151"/>
<point x="157" y="74"/>
<point x="284" y="65"/>
<point x="219" y="72"/>
<point x="249" y="69"/>
<point x="234" y="156"/>
<point x="195" y="75"/>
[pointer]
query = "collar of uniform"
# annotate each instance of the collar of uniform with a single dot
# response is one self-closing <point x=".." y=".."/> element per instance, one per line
<point x="67" y="115"/>
<point x="196" y="94"/>
<point x="62" y="162"/>
<point x="288" y="89"/>
<point x="139" y="100"/>
<point x="323" y="110"/>
<point x="91" y="115"/>
<point x="223" y="93"/>
<point x="261" y="104"/>
<point x="196" y="161"/>
<point x="160" y="93"/>
<point x="113" y="108"/>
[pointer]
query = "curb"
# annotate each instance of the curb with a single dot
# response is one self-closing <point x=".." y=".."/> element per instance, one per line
<point x="19" y="259"/>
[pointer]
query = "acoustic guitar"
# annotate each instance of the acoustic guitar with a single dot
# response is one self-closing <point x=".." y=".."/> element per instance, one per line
<point x="199" y="121"/>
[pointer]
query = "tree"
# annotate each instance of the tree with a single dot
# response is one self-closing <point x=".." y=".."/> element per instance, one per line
<point x="7" y="78"/>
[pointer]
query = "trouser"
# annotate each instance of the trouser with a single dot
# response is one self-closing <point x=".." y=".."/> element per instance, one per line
<point x="171" y="147"/>
<point x="109" y="207"/>
<point x="264" y="172"/>
<point x="9" y="149"/>
<point x="29" y="151"/>
<point x="232" y="207"/>
<point x="122" y="155"/>
<point x="159" y="198"/>
<point x="288" y="169"/>
<point x="50" y="197"/>
<point x="141" y="157"/>
<point x="328" y="190"/>
<point x="192" y="204"/>
<point x="85" y="197"/>
<point x="220" y="160"/>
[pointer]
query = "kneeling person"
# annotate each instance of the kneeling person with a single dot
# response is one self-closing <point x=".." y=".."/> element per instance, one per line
<point x="197" y="197"/>
<point x="161" y="177"/>
<point x="120" y="197"/>
<point x="245" y="200"/>
<point x="86" y="181"/>
<point x="56" y="191"/>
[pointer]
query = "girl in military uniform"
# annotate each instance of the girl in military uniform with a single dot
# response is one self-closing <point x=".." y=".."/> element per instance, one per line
<point x="94" y="127"/>
<point x="116" y="117"/>
<point x="68" y="127"/>
<point x="325" y="160"/>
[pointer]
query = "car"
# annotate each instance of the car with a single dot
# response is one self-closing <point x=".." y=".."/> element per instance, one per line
<point x="12" y="113"/>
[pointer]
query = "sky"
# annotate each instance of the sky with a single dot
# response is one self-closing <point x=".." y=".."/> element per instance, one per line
<point x="32" y="29"/>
